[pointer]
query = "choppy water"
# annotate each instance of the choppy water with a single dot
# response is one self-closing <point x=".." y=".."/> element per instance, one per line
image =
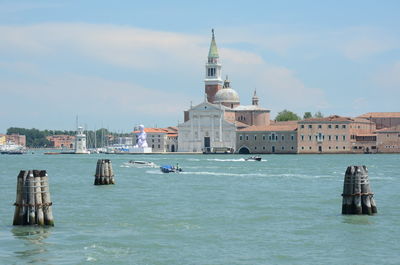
<point x="220" y="210"/>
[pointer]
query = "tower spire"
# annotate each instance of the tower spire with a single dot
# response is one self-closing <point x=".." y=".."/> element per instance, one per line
<point x="213" y="52"/>
<point x="213" y="80"/>
<point x="255" y="99"/>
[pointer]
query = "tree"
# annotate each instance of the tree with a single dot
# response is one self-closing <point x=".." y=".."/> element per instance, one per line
<point x="318" y="114"/>
<point x="286" y="115"/>
<point x="307" y="115"/>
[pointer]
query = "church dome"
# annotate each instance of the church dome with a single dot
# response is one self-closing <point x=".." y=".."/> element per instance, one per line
<point x="227" y="94"/>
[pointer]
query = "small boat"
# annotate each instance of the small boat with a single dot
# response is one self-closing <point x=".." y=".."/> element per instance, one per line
<point x="170" y="169"/>
<point x="13" y="152"/>
<point x="253" y="158"/>
<point x="141" y="163"/>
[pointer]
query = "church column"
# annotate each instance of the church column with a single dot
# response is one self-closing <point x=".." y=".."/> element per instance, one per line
<point x="212" y="128"/>
<point x="191" y="131"/>
<point x="220" y="125"/>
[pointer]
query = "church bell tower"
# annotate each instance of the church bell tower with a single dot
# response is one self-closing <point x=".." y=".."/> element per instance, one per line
<point x="213" y="81"/>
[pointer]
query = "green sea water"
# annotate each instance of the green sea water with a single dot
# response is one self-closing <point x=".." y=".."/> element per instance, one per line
<point x="222" y="209"/>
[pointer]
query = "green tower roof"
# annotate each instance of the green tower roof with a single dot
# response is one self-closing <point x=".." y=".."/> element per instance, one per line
<point x="213" y="53"/>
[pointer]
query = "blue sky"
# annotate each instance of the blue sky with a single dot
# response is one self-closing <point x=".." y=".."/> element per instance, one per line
<point x="123" y="63"/>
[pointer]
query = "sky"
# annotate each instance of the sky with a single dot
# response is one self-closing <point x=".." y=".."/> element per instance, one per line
<point x="118" y="64"/>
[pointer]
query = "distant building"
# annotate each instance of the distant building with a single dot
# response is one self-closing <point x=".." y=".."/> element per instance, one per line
<point x="13" y="139"/>
<point x="160" y="139"/>
<point x="335" y="134"/>
<point x="278" y="137"/>
<point x="62" y="141"/>
<point x="388" y="140"/>
<point x="212" y="124"/>
<point x="383" y="119"/>
<point x="206" y="129"/>
<point x="3" y="140"/>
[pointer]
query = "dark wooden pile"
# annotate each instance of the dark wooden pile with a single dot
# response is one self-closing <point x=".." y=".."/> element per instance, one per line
<point x="357" y="194"/>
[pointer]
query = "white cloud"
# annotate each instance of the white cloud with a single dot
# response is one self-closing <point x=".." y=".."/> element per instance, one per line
<point x="360" y="42"/>
<point x="159" y="53"/>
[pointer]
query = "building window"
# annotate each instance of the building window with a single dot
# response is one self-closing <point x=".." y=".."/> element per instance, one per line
<point x="263" y="137"/>
<point x="319" y="126"/>
<point x="302" y="126"/>
<point x="309" y="148"/>
<point x="302" y="137"/>
<point x="152" y="146"/>
<point x="152" y="140"/>
<point x="255" y="137"/>
<point x="309" y="137"/>
<point x="329" y="148"/>
<point x="283" y="148"/>
<point x="158" y="146"/>
<point x="309" y="126"/>
<point x="337" y="137"/>
<point x="292" y="137"/>
<point x="240" y="137"/>
<point x="283" y="137"/>
<point x="329" y="126"/>
<point x="336" y="126"/>
<point x="292" y="148"/>
<point x="263" y="147"/>
<point x="255" y="147"/>
<point x="344" y="147"/>
<point x="337" y="147"/>
<point x="343" y="126"/>
<point x="302" y="148"/>
<point x="247" y="137"/>
<point x="329" y="137"/>
<point x="344" y="137"/>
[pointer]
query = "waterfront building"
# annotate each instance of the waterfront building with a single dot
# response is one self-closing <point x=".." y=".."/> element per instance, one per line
<point x="212" y="124"/>
<point x="62" y="141"/>
<point x="13" y="139"/>
<point x="3" y="140"/>
<point x="388" y="140"/>
<point x="278" y="137"/>
<point x="205" y="129"/>
<point x="335" y="134"/>
<point x="383" y="119"/>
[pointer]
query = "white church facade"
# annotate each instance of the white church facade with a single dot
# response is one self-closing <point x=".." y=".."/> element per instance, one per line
<point x="206" y="130"/>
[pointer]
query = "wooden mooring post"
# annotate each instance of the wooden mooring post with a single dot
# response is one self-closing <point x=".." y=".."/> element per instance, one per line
<point x="357" y="193"/>
<point x="33" y="203"/>
<point x="104" y="172"/>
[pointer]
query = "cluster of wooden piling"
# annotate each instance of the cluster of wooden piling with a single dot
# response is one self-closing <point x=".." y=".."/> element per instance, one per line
<point x="104" y="172"/>
<point x="33" y="203"/>
<point x="357" y="194"/>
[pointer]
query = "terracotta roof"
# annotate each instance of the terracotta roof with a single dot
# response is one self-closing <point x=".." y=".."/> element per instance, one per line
<point x="380" y="115"/>
<point x="172" y="134"/>
<point x="394" y="129"/>
<point x="273" y="127"/>
<point x="240" y="124"/>
<point x="153" y="130"/>
<point x="335" y="118"/>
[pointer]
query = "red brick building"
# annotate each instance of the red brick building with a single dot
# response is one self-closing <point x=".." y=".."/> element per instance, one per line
<point x="62" y="141"/>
